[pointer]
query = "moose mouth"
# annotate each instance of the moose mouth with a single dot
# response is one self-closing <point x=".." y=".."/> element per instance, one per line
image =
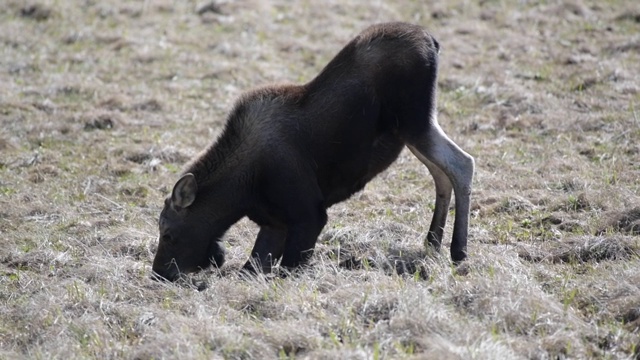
<point x="170" y="273"/>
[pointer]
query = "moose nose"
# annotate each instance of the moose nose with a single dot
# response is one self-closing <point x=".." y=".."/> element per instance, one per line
<point x="164" y="275"/>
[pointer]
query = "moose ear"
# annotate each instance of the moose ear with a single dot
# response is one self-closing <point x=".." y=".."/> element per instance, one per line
<point x="184" y="192"/>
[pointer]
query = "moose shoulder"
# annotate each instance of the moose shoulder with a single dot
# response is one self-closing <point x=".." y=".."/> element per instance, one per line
<point x="287" y="153"/>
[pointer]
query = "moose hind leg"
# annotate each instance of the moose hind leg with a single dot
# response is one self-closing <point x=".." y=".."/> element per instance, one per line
<point x="443" y="199"/>
<point x="458" y="166"/>
<point x="267" y="249"/>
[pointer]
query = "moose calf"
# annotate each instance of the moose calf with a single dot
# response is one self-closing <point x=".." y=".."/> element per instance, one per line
<point x="289" y="152"/>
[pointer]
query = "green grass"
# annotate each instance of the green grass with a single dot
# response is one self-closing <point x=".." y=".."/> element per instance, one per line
<point x="103" y="103"/>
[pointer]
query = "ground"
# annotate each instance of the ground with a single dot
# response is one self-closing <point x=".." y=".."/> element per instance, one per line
<point x="102" y="103"/>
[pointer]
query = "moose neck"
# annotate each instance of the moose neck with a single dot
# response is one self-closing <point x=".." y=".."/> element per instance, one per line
<point x="220" y="160"/>
<point x="222" y="173"/>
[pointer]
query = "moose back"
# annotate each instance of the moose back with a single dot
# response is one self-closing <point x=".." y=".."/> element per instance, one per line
<point x="289" y="152"/>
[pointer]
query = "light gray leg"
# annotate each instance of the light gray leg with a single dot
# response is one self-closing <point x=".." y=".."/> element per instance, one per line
<point x="443" y="199"/>
<point x="443" y="156"/>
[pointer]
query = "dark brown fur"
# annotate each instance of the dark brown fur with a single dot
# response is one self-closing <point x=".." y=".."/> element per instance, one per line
<point x="289" y="152"/>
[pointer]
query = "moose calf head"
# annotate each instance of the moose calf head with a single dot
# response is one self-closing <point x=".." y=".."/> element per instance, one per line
<point x="187" y="240"/>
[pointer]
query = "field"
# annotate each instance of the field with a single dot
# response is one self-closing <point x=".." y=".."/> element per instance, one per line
<point x="102" y="103"/>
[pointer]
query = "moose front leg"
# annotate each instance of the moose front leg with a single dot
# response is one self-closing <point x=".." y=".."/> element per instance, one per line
<point x="301" y="240"/>
<point x="267" y="249"/>
<point x="296" y="198"/>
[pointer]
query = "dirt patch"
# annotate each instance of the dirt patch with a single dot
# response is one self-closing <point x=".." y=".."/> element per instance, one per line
<point x="149" y="105"/>
<point x="38" y="12"/>
<point x="627" y="222"/>
<point x="102" y="121"/>
<point x="584" y="249"/>
<point x="103" y="103"/>
<point x="167" y="154"/>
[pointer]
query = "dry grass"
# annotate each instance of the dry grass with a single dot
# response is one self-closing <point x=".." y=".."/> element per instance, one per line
<point x="101" y="103"/>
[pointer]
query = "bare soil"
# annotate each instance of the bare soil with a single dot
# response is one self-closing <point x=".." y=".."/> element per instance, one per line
<point x="102" y="103"/>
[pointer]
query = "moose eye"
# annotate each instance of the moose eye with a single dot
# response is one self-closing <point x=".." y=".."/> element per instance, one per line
<point x="166" y="238"/>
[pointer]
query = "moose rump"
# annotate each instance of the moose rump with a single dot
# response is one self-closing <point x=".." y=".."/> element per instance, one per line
<point x="289" y="152"/>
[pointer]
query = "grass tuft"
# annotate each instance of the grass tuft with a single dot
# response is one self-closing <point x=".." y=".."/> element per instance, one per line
<point x="104" y="102"/>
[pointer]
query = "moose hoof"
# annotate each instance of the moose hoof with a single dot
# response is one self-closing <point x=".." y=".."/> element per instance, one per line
<point x="458" y="256"/>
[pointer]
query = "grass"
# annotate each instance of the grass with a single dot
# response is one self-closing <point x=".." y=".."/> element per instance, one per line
<point x="102" y="103"/>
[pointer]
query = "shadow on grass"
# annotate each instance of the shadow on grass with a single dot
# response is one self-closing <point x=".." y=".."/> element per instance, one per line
<point x="395" y="261"/>
<point x="584" y="249"/>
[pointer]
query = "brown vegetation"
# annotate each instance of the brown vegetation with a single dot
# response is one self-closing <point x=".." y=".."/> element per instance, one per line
<point x="101" y="104"/>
